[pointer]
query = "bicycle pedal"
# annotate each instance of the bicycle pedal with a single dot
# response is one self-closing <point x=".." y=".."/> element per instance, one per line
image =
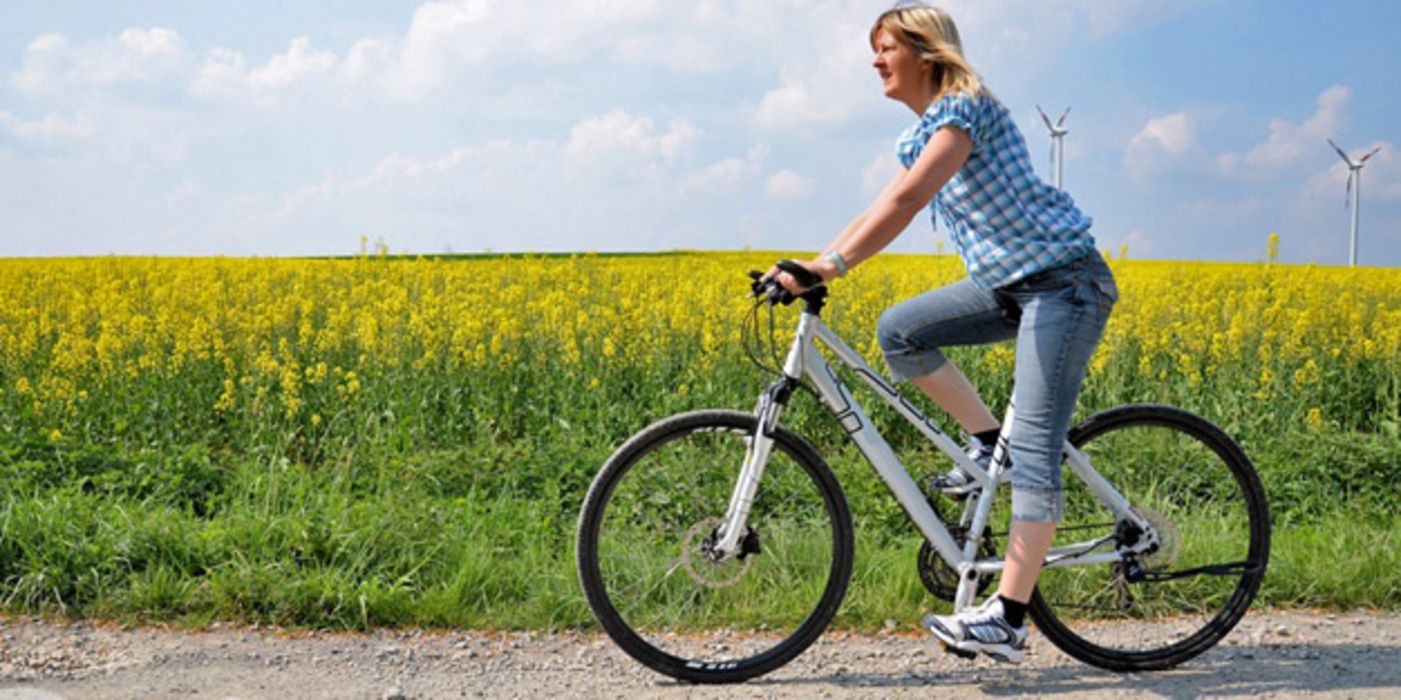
<point x="970" y="655"/>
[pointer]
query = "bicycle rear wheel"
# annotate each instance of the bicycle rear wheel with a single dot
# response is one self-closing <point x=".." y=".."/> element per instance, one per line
<point x="642" y="546"/>
<point x="1202" y="495"/>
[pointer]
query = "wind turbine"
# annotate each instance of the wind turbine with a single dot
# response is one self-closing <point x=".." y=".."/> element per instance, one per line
<point x="1354" y="192"/>
<point x="1058" y="132"/>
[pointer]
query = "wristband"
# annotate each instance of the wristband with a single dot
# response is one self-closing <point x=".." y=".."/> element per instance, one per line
<point x="837" y="261"/>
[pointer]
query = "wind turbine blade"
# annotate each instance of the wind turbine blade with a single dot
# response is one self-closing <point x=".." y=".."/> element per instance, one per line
<point x="1369" y="155"/>
<point x="1061" y="121"/>
<point x="1045" y="118"/>
<point x="1341" y="154"/>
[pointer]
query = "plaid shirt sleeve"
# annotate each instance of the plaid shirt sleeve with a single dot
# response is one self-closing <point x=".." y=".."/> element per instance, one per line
<point x="1004" y="221"/>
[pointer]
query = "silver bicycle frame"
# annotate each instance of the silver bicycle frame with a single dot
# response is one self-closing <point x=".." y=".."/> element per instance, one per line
<point x="805" y="360"/>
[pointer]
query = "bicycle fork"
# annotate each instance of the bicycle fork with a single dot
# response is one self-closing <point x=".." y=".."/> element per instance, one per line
<point x="760" y="444"/>
<point x="756" y="457"/>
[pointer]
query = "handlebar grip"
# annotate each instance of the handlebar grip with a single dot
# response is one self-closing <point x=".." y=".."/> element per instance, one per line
<point x="804" y="276"/>
<point x="775" y="291"/>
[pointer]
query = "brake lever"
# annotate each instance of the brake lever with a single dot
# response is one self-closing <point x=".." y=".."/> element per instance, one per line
<point x="771" y="288"/>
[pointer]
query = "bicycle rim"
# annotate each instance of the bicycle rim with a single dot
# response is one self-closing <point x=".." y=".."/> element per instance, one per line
<point x="1205" y="501"/>
<point x="643" y="555"/>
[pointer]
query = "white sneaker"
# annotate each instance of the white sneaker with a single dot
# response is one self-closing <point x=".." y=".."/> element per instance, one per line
<point x="958" y="483"/>
<point x="981" y="629"/>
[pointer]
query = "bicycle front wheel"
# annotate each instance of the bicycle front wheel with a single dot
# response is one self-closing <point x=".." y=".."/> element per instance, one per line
<point x="643" y="542"/>
<point x="1203" y="498"/>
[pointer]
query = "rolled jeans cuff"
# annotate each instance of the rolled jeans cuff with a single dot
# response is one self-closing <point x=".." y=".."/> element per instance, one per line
<point x="1037" y="505"/>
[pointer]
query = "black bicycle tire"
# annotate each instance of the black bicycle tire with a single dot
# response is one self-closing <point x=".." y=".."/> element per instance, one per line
<point x="692" y="670"/>
<point x="1239" y="602"/>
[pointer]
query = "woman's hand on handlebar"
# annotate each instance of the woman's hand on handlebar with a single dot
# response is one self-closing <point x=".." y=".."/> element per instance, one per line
<point x="824" y="269"/>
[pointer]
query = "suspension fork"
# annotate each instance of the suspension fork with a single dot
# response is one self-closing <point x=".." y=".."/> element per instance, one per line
<point x="760" y="444"/>
<point x="756" y="457"/>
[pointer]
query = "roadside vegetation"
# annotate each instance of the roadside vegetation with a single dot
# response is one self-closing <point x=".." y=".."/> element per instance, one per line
<point x="395" y="441"/>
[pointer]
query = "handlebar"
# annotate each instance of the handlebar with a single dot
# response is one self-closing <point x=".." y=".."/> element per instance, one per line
<point x="775" y="292"/>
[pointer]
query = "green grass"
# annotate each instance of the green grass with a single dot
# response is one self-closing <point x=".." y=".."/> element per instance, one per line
<point x="447" y="496"/>
<point x="473" y="537"/>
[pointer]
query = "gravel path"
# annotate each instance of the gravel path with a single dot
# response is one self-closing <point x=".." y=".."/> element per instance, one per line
<point x="1281" y="654"/>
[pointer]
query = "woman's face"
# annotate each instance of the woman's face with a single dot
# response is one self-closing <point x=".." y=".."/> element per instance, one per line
<point x="904" y="74"/>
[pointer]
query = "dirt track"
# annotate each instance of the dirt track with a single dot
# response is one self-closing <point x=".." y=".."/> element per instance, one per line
<point x="1276" y="654"/>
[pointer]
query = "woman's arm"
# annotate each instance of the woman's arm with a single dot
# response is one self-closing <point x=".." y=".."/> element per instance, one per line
<point x="856" y="223"/>
<point x="905" y="195"/>
<point x="946" y="152"/>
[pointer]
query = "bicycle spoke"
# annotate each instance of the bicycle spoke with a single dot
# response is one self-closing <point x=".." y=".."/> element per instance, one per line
<point x="652" y="536"/>
<point x="1199" y="498"/>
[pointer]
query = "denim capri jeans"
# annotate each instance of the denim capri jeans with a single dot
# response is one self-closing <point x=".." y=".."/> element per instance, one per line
<point x="1057" y="317"/>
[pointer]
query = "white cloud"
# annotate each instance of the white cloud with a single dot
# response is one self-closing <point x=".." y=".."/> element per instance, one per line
<point x="826" y="79"/>
<point x="683" y="54"/>
<point x="52" y="130"/>
<point x="620" y="132"/>
<point x="491" y="118"/>
<point x="878" y="173"/>
<point x="1106" y="19"/>
<point x="1170" y="134"/>
<point x="788" y="185"/>
<point x="1289" y="142"/>
<point x="103" y="141"/>
<point x="1381" y="178"/>
<point x="448" y="40"/>
<point x="225" y="73"/>
<point x="726" y="173"/>
<point x="53" y="67"/>
<point x="1160" y="141"/>
<point x="821" y="80"/>
<point x="616" y="172"/>
<point x="455" y="173"/>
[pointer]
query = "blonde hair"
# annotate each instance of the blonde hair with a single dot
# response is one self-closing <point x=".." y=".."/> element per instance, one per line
<point x="932" y="35"/>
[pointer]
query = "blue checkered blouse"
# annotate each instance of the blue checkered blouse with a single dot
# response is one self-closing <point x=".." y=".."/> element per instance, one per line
<point x="1005" y="222"/>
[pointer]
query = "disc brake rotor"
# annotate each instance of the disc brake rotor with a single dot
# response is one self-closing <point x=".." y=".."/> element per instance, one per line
<point x="1169" y="540"/>
<point x="698" y="564"/>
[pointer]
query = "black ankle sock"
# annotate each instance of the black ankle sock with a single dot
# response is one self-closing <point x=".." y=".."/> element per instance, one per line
<point x="988" y="437"/>
<point x="1013" y="612"/>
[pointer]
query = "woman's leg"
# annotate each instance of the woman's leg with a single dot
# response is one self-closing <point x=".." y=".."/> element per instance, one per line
<point x="912" y="332"/>
<point x="1060" y="328"/>
<point x="1061" y="323"/>
<point x="949" y="388"/>
<point x="1027" y="544"/>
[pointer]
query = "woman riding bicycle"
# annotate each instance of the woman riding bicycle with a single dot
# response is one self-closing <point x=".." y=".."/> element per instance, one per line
<point x="1034" y="275"/>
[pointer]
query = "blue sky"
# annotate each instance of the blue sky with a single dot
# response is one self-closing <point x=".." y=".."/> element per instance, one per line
<point x="270" y="128"/>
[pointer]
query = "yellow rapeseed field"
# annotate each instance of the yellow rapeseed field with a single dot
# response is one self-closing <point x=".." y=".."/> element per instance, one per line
<point x="368" y="441"/>
<point x="300" y="340"/>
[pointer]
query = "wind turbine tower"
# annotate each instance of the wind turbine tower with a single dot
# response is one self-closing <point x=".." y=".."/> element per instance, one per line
<point x="1354" y="192"/>
<point x="1058" y="132"/>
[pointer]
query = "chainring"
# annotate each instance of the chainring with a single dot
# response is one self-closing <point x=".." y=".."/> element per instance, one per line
<point x="941" y="579"/>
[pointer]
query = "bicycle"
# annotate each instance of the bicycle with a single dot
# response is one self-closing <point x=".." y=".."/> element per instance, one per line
<point x="696" y="521"/>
